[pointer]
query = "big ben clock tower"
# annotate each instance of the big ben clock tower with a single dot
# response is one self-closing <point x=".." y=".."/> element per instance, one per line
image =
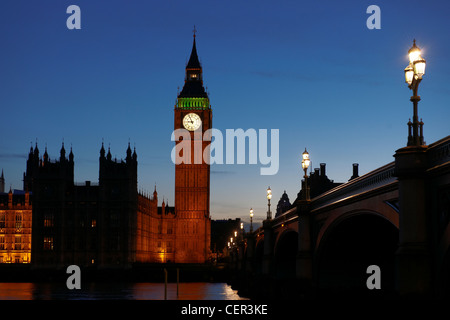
<point x="193" y="113"/>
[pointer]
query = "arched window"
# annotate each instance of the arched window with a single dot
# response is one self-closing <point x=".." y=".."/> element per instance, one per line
<point x="18" y="221"/>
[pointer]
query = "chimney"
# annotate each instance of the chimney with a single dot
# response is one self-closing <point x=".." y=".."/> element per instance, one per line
<point x="27" y="199"/>
<point x="322" y="169"/>
<point x="355" y="171"/>
<point x="10" y="198"/>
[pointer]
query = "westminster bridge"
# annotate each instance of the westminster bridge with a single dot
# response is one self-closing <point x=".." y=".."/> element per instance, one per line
<point x="395" y="218"/>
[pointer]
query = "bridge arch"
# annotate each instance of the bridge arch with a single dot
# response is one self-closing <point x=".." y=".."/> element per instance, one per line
<point x="285" y="254"/>
<point x="350" y="244"/>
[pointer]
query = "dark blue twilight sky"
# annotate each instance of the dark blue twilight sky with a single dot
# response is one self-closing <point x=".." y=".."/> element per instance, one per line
<point x="311" y="69"/>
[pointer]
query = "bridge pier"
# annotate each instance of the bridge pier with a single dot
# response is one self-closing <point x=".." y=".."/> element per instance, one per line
<point x="267" y="266"/>
<point x="304" y="254"/>
<point x="413" y="256"/>
<point x="250" y="253"/>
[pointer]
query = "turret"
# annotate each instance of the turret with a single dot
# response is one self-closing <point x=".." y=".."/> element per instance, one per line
<point x="36" y="152"/>
<point x="71" y="156"/>
<point x="108" y="156"/>
<point x="45" y="158"/>
<point x="2" y="183"/>
<point x="128" y="159"/>
<point x="30" y="155"/>
<point x="155" y="195"/>
<point x="10" y="198"/>
<point x="62" y="153"/>
<point x="102" y="152"/>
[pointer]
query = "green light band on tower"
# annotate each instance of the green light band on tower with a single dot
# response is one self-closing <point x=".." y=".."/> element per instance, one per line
<point x="190" y="103"/>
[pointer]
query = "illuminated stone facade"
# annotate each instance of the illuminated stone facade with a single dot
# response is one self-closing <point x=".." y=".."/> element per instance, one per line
<point x="15" y="227"/>
<point x="155" y="231"/>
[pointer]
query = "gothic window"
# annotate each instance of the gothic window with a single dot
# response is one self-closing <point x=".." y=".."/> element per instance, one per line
<point x="18" y="222"/>
<point x="48" y="219"/>
<point x="2" y="220"/>
<point x="48" y="243"/>
<point x="18" y="243"/>
<point x="159" y="227"/>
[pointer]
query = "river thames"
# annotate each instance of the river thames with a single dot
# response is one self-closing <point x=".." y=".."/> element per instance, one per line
<point x="118" y="291"/>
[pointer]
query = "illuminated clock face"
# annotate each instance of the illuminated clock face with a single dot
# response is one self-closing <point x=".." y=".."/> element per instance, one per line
<point x="192" y="121"/>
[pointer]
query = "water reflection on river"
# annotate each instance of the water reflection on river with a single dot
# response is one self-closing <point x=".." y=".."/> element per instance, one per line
<point x="125" y="291"/>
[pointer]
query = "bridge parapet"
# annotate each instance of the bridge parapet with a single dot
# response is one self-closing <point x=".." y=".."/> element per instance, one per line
<point x="285" y="218"/>
<point x="370" y="181"/>
<point x="439" y="152"/>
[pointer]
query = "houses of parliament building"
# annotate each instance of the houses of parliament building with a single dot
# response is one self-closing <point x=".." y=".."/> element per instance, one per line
<point x="54" y="222"/>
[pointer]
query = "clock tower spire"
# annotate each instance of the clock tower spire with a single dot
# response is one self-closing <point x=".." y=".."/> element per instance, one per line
<point x="193" y="82"/>
<point x="192" y="179"/>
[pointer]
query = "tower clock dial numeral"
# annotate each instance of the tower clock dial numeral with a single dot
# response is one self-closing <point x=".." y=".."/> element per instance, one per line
<point x="192" y="121"/>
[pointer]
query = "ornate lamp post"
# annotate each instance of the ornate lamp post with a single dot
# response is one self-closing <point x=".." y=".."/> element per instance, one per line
<point x="269" y="196"/>
<point x="413" y="75"/>
<point x="251" y="220"/>
<point x="414" y="255"/>
<point x="305" y="164"/>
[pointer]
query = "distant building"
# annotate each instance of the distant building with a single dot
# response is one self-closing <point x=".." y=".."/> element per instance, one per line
<point x="319" y="183"/>
<point x="283" y="204"/>
<point x="222" y="231"/>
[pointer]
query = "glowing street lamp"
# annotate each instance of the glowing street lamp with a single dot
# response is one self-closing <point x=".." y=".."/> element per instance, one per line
<point x="305" y="161"/>
<point x="305" y="164"/>
<point x="413" y="75"/>
<point x="251" y="220"/>
<point x="269" y="196"/>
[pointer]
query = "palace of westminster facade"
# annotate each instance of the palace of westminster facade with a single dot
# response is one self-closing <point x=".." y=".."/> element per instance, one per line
<point x="54" y="222"/>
